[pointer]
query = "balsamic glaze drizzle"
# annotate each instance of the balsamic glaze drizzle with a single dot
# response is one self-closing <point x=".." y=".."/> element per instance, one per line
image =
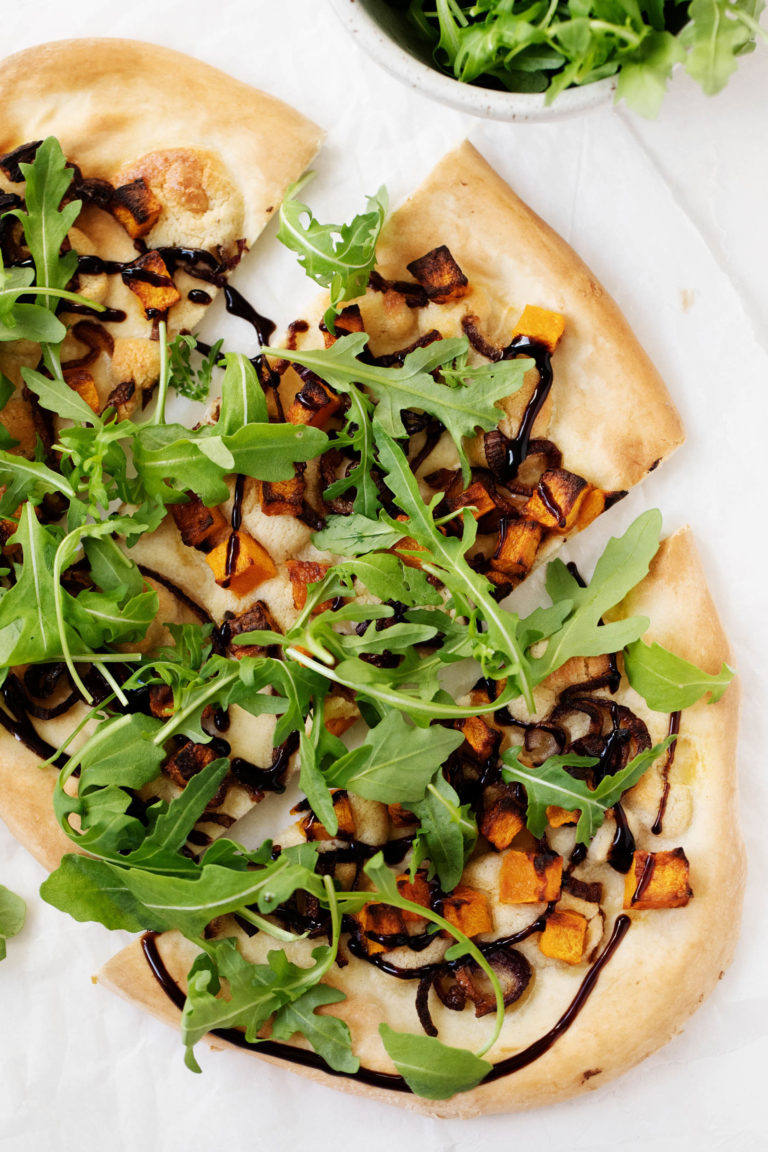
<point x="393" y="1083"/>
<point x="674" y="729"/>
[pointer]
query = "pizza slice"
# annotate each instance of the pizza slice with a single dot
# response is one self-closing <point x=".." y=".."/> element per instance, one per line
<point x="177" y="169"/>
<point x="603" y="944"/>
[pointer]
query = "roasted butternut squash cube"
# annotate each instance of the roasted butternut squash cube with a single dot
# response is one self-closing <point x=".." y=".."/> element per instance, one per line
<point x="302" y="573"/>
<point x="563" y="937"/>
<point x="517" y="548"/>
<point x="439" y="275"/>
<point x="283" y="497"/>
<point x="199" y="525"/>
<point x="400" y="817"/>
<point x="591" y="507"/>
<point x="257" y="618"/>
<point x="658" y="880"/>
<point x="410" y="544"/>
<point x="500" y="822"/>
<point x="339" y="714"/>
<point x="136" y="207"/>
<point x="187" y="761"/>
<point x="476" y="497"/>
<point x="418" y="891"/>
<point x="530" y="877"/>
<point x="314" y="830"/>
<point x="84" y="384"/>
<point x="557" y="500"/>
<point x="558" y="817"/>
<point x="383" y="920"/>
<point x="315" y="404"/>
<point x="348" y="320"/>
<point x="541" y="325"/>
<point x="481" y="738"/>
<point x="468" y="910"/>
<point x="240" y="563"/>
<point x="149" y="279"/>
<point x="161" y="701"/>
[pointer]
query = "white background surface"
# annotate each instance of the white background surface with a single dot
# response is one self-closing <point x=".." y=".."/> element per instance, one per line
<point x="672" y="216"/>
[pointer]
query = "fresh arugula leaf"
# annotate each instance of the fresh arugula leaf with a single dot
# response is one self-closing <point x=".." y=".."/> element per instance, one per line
<point x="623" y="564"/>
<point x="668" y="683"/>
<point x="340" y="257"/>
<point x="447" y="831"/>
<point x="719" y="31"/>
<point x="194" y="383"/>
<point x="358" y="435"/>
<point x="90" y="890"/>
<point x="396" y="762"/>
<point x="356" y="535"/>
<point x="13" y="911"/>
<point x="462" y="409"/>
<point x="46" y="224"/>
<point x="329" y="1036"/>
<point x="28" y="480"/>
<point x="242" y="397"/>
<point x="430" y="1068"/>
<point x="549" y="783"/>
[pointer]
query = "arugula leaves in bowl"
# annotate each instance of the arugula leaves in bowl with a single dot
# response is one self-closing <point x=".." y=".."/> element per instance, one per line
<point x="547" y="46"/>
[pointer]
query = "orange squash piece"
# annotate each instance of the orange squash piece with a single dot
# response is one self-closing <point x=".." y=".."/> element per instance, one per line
<point x="467" y="909"/>
<point x="557" y="816"/>
<point x="240" y="563"/>
<point x="563" y="937"/>
<point x="199" y="525"/>
<point x="302" y="573"/>
<point x="382" y="919"/>
<point x="557" y="500"/>
<point x="541" y="325"/>
<point x="658" y="880"/>
<point x="149" y="279"/>
<point x="314" y="830"/>
<point x="517" y="548"/>
<point x="136" y="207"/>
<point x="418" y="891"/>
<point x="530" y="877"/>
<point x="83" y="383"/>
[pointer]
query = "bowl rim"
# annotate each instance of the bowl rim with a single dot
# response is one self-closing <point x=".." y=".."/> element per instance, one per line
<point x="487" y="102"/>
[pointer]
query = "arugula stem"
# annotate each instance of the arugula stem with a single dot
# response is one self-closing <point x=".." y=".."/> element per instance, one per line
<point x="162" y="388"/>
<point x="178" y="719"/>
<point x="411" y="705"/>
<point x="59" y="293"/>
<point x="117" y="690"/>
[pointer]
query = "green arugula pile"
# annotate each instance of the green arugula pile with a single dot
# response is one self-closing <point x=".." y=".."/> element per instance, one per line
<point x="112" y="480"/>
<point x="550" y="45"/>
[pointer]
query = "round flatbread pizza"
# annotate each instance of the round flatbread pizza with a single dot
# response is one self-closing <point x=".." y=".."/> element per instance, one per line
<point x="490" y="851"/>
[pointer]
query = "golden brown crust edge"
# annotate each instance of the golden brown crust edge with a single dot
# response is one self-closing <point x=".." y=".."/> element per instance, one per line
<point x="112" y="101"/>
<point x="637" y="1007"/>
<point x="602" y="372"/>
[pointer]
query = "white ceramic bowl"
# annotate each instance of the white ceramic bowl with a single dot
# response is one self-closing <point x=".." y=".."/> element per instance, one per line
<point x="381" y="31"/>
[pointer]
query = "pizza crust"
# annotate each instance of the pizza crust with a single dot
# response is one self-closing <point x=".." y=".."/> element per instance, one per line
<point x="122" y="108"/>
<point x="609" y="411"/>
<point x="669" y="960"/>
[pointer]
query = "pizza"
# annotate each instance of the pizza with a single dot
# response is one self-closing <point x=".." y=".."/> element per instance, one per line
<point x="491" y="834"/>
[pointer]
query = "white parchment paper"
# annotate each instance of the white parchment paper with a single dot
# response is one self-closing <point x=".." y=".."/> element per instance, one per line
<point x="671" y="215"/>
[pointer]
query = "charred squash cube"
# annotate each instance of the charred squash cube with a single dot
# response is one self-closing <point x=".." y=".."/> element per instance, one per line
<point x="658" y="880"/>
<point x="541" y="325"/>
<point x="517" y="548"/>
<point x="240" y="563"/>
<point x="84" y="384"/>
<point x="482" y="740"/>
<point x="401" y="817"/>
<point x="199" y="525"/>
<point x="149" y="279"/>
<point x="302" y="573"/>
<point x="530" y="877"/>
<point x="348" y="320"/>
<point x="315" y="404"/>
<point x="563" y="937"/>
<point x="314" y="830"/>
<point x="501" y="821"/>
<point x="383" y="920"/>
<point x="283" y="497"/>
<point x="439" y="275"/>
<point x="187" y="761"/>
<point x="258" y="618"/>
<point x="136" y="207"/>
<point x="418" y="891"/>
<point x="161" y="701"/>
<point x="558" y="817"/>
<point x="339" y="714"/>
<point x="410" y="545"/>
<point x="477" y="497"/>
<point x="467" y="909"/>
<point x="557" y="500"/>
